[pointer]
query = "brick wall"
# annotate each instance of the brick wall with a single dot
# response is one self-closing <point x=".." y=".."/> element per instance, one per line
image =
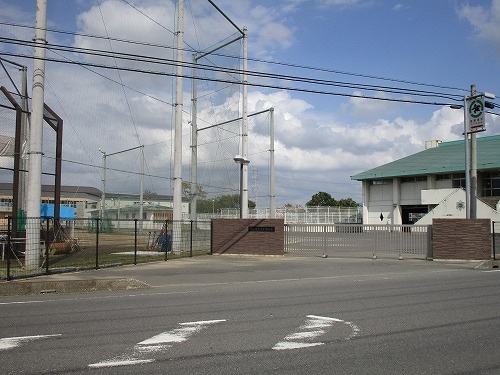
<point x="461" y="239"/>
<point x="248" y="236"/>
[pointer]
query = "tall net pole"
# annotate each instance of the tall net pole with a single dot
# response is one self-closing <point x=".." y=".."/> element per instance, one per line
<point x="177" y="201"/>
<point x="35" y="150"/>
<point x="177" y="214"/>
<point x="244" y="131"/>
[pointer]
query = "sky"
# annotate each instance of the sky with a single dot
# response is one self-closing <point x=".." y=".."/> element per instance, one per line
<point x="415" y="57"/>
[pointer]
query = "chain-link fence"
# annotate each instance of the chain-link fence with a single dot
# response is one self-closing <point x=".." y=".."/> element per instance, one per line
<point x="94" y="243"/>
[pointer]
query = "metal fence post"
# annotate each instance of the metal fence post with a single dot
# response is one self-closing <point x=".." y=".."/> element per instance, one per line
<point x="9" y="245"/>
<point x="430" y="250"/>
<point x="191" y="240"/>
<point x="135" y="242"/>
<point x="47" y="248"/>
<point x="494" y="245"/>
<point x="166" y="232"/>
<point x="97" y="243"/>
<point x="324" y="241"/>
<point x="212" y="236"/>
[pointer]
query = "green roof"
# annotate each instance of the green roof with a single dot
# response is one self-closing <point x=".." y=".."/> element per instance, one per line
<point x="449" y="157"/>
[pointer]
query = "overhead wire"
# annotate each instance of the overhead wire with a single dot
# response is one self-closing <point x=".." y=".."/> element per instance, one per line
<point x="290" y="78"/>
<point x="305" y="79"/>
<point x="401" y="91"/>
<point x="253" y="59"/>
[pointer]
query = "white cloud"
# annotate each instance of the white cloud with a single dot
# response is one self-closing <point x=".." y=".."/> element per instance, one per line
<point x="339" y="3"/>
<point x="325" y="147"/>
<point x="359" y="106"/>
<point x="486" y="22"/>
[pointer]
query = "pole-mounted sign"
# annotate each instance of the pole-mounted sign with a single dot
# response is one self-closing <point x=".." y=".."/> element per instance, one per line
<point x="475" y="114"/>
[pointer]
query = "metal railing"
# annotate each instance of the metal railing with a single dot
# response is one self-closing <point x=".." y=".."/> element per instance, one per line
<point x="95" y="243"/>
<point x="294" y="215"/>
<point x="358" y="240"/>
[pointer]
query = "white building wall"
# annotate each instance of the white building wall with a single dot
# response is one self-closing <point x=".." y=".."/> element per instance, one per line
<point x="443" y="184"/>
<point x="395" y="216"/>
<point x="410" y="192"/>
<point x="452" y="205"/>
<point x="380" y="201"/>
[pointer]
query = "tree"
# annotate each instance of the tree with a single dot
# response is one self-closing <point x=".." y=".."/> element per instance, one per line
<point x="347" y="202"/>
<point x="325" y="199"/>
<point x="186" y="190"/>
<point x="321" y="199"/>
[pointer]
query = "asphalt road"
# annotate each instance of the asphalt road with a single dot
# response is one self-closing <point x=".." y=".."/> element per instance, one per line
<point x="249" y="315"/>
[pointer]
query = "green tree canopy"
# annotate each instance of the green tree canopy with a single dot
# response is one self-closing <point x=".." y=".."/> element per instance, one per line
<point x="325" y="199"/>
<point x="321" y="199"/>
<point x="347" y="202"/>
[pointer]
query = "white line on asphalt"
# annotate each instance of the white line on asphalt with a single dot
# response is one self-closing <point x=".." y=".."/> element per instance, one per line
<point x="313" y="328"/>
<point x="13" y="342"/>
<point x="120" y="363"/>
<point x="63" y="299"/>
<point x="158" y="343"/>
<point x="20" y="302"/>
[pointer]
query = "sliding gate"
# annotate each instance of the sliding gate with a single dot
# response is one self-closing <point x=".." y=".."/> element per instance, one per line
<point x="358" y="240"/>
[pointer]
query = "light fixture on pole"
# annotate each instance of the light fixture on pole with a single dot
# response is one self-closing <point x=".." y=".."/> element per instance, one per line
<point x="103" y="199"/>
<point x="238" y="159"/>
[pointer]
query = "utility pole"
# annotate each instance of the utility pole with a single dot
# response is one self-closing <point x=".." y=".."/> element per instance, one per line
<point x="473" y="167"/>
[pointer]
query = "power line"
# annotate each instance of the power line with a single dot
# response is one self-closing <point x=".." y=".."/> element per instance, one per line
<point x="271" y="62"/>
<point x="295" y="79"/>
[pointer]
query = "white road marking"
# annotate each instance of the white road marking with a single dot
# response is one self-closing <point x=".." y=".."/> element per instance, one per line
<point x="13" y="342"/>
<point x="120" y="363"/>
<point x="313" y="328"/>
<point x="178" y="334"/>
<point x="94" y="298"/>
<point x="157" y="343"/>
<point x="20" y="302"/>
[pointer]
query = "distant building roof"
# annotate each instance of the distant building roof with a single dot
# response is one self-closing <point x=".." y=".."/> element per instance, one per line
<point x="65" y="189"/>
<point x="146" y="196"/>
<point x="448" y="157"/>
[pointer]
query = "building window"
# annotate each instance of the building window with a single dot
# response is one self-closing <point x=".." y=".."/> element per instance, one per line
<point x="381" y="182"/>
<point x="491" y="184"/>
<point x="441" y="177"/>
<point x="413" y="179"/>
<point x="458" y="180"/>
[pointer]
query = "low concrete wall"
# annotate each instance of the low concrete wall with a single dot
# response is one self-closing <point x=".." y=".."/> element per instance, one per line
<point x="248" y="236"/>
<point x="461" y="239"/>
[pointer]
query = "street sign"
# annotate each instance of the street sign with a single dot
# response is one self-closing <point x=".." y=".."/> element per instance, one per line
<point x="475" y="115"/>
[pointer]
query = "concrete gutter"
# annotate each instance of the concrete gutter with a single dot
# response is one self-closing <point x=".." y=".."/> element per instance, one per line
<point x="31" y="287"/>
<point x="488" y="264"/>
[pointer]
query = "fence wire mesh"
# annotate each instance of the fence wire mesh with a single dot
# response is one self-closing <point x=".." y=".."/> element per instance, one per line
<point x="94" y="243"/>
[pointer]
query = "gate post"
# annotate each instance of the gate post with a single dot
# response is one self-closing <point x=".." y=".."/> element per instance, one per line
<point x="430" y="254"/>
